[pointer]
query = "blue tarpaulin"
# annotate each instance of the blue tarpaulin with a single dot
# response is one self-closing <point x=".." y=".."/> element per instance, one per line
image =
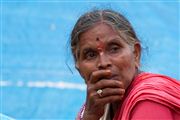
<point x="36" y="82"/>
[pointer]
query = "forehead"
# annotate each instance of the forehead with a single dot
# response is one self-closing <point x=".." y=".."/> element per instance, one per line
<point x="102" y="32"/>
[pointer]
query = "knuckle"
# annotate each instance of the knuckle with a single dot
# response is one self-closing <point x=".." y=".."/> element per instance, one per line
<point x="90" y="88"/>
<point x="121" y="91"/>
<point x="120" y="83"/>
<point x="116" y="83"/>
<point x="94" y="74"/>
<point x="91" y="95"/>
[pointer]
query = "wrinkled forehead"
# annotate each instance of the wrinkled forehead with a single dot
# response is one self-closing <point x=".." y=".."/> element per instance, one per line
<point x="97" y="42"/>
<point x="94" y="44"/>
<point x="97" y="34"/>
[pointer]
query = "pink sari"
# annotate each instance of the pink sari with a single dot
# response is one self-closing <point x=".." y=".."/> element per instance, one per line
<point x="146" y="86"/>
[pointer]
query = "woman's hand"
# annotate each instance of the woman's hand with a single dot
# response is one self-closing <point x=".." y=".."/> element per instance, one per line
<point x="113" y="91"/>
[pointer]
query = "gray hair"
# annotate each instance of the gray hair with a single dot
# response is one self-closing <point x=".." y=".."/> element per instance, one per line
<point x="110" y="17"/>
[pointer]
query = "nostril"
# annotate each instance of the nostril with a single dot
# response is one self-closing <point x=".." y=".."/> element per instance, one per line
<point x="100" y="67"/>
<point x="109" y="65"/>
<point x="104" y="66"/>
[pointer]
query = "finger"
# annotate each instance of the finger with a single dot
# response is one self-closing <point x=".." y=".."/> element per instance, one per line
<point x="109" y="99"/>
<point x="112" y="91"/>
<point x="93" y="95"/>
<point x="97" y="75"/>
<point x="108" y="84"/>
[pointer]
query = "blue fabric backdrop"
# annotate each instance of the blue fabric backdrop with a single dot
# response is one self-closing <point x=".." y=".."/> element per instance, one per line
<point x="36" y="82"/>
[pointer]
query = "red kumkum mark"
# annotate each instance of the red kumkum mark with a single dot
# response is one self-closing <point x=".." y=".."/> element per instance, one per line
<point x="100" y="46"/>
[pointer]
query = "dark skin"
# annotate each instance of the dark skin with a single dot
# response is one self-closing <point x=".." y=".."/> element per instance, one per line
<point x="105" y="62"/>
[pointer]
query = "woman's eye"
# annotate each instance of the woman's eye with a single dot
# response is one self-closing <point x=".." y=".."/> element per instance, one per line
<point x="90" y="55"/>
<point x="114" y="49"/>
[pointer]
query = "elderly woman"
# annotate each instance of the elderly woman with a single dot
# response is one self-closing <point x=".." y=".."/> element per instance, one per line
<point x="107" y="54"/>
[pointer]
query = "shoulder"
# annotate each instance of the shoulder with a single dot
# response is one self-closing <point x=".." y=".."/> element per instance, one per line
<point x="155" y="81"/>
<point x="144" y="91"/>
<point x="148" y="109"/>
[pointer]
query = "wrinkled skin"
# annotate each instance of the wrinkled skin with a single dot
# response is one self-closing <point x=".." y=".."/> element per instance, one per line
<point x="105" y="62"/>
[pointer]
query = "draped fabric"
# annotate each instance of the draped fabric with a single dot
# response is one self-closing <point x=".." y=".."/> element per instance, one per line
<point x="160" y="89"/>
<point x="154" y="87"/>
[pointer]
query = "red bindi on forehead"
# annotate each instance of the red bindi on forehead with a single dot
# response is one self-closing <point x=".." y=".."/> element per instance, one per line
<point x="100" y="44"/>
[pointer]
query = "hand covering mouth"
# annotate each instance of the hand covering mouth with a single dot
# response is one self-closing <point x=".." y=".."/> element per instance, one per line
<point x="112" y="77"/>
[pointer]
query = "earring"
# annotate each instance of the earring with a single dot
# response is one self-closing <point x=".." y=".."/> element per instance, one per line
<point x="137" y="66"/>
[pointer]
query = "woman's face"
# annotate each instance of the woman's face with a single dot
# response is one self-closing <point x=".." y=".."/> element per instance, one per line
<point x="101" y="48"/>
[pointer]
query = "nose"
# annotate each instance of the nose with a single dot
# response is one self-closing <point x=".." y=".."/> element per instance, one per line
<point x="104" y="62"/>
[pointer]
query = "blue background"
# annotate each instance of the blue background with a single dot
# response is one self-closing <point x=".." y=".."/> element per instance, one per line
<point x="36" y="82"/>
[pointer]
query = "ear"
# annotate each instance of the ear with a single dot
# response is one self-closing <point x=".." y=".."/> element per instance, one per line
<point x="137" y="54"/>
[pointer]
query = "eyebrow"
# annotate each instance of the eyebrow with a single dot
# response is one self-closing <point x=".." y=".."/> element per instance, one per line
<point x="87" y="49"/>
<point x="116" y="39"/>
<point x="113" y="40"/>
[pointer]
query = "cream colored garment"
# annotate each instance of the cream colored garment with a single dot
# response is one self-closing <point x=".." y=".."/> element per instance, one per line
<point x="106" y="115"/>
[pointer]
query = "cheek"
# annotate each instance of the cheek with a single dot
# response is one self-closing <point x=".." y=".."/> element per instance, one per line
<point x="130" y="62"/>
<point x="126" y="62"/>
<point x="126" y="66"/>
